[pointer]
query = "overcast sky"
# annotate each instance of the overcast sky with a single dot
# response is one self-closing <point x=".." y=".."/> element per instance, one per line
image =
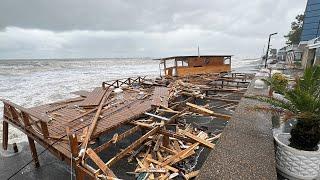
<point x="142" y="28"/>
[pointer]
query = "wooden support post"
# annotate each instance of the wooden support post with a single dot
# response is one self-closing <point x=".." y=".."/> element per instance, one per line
<point x="5" y="135"/>
<point x="33" y="152"/>
<point x="44" y="129"/>
<point x="73" y="142"/>
<point x="80" y="175"/>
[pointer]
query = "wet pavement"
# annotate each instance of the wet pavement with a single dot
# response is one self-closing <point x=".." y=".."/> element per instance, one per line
<point x="50" y="167"/>
<point x="246" y="147"/>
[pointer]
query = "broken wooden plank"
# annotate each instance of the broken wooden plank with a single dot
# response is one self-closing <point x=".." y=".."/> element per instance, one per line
<point x="152" y="170"/>
<point x="157" y="116"/>
<point x="136" y="152"/>
<point x="132" y="146"/>
<point x="168" y="111"/>
<point x="140" y="163"/>
<point x="184" y="156"/>
<point x="159" y="163"/>
<point x="198" y="139"/>
<point x="179" y="156"/>
<point x="95" y="97"/>
<point x="96" y="159"/>
<point x="169" y="150"/>
<point x="207" y="111"/>
<point x="143" y="124"/>
<point x="160" y="96"/>
<point x="119" y="138"/>
<point x="176" y="145"/>
<point x="158" y="142"/>
<point x="92" y="126"/>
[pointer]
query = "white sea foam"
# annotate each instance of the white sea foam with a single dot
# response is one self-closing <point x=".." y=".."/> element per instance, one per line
<point x="35" y="82"/>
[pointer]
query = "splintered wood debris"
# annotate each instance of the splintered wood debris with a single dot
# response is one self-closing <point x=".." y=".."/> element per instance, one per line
<point x="157" y="110"/>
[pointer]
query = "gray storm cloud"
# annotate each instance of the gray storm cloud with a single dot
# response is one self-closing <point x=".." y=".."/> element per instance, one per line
<point x="100" y="28"/>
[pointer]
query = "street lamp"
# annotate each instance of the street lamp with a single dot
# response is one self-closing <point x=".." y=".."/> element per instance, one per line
<point x="265" y="64"/>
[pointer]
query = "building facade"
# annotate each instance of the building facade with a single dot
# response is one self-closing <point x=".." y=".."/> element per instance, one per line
<point x="309" y="40"/>
<point x="311" y="22"/>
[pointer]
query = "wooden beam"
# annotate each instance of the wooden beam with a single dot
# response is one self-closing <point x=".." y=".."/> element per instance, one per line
<point x="93" y="123"/>
<point x="176" y="116"/>
<point x="33" y="152"/>
<point x="157" y="116"/>
<point x="158" y="142"/>
<point x="96" y="159"/>
<point x="132" y="146"/>
<point x="120" y="137"/>
<point x="207" y="111"/>
<point x="5" y="134"/>
<point x="201" y="141"/>
<point x="166" y="166"/>
<point x="179" y="156"/>
<point x="171" y="134"/>
<point x="186" y="155"/>
<point x="169" y="150"/>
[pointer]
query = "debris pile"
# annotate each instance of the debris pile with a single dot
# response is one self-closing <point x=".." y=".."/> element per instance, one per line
<point x="176" y="119"/>
<point x="171" y="146"/>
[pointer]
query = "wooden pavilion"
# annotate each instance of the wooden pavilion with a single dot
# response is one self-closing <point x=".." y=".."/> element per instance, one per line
<point x="190" y="65"/>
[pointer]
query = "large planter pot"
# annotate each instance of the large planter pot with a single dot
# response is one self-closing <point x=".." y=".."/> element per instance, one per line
<point x="294" y="163"/>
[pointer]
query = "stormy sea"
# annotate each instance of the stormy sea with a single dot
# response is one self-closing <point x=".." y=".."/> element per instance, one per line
<point x="35" y="82"/>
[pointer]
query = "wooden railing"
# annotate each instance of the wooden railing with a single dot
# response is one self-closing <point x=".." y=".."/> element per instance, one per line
<point x="25" y="119"/>
<point x="120" y="82"/>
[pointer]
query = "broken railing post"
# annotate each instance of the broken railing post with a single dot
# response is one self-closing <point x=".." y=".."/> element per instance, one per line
<point x="33" y="152"/>
<point x="73" y="142"/>
<point x="5" y="135"/>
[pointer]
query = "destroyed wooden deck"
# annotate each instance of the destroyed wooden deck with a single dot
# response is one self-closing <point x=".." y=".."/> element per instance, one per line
<point x="47" y="123"/>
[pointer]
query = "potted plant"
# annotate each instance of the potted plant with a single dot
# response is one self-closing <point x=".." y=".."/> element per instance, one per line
<point x="277" y="83"/>
<point x="298" y="153"/>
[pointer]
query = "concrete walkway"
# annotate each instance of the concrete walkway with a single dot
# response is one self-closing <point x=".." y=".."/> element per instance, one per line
<point x="246" y="149"/>
<point x="50" y="167"/>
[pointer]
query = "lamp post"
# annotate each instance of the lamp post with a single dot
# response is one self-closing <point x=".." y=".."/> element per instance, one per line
<point x="265" y="64"/>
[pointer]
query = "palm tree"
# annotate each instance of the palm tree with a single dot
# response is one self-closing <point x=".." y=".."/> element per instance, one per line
<point x="303" y="103"/>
